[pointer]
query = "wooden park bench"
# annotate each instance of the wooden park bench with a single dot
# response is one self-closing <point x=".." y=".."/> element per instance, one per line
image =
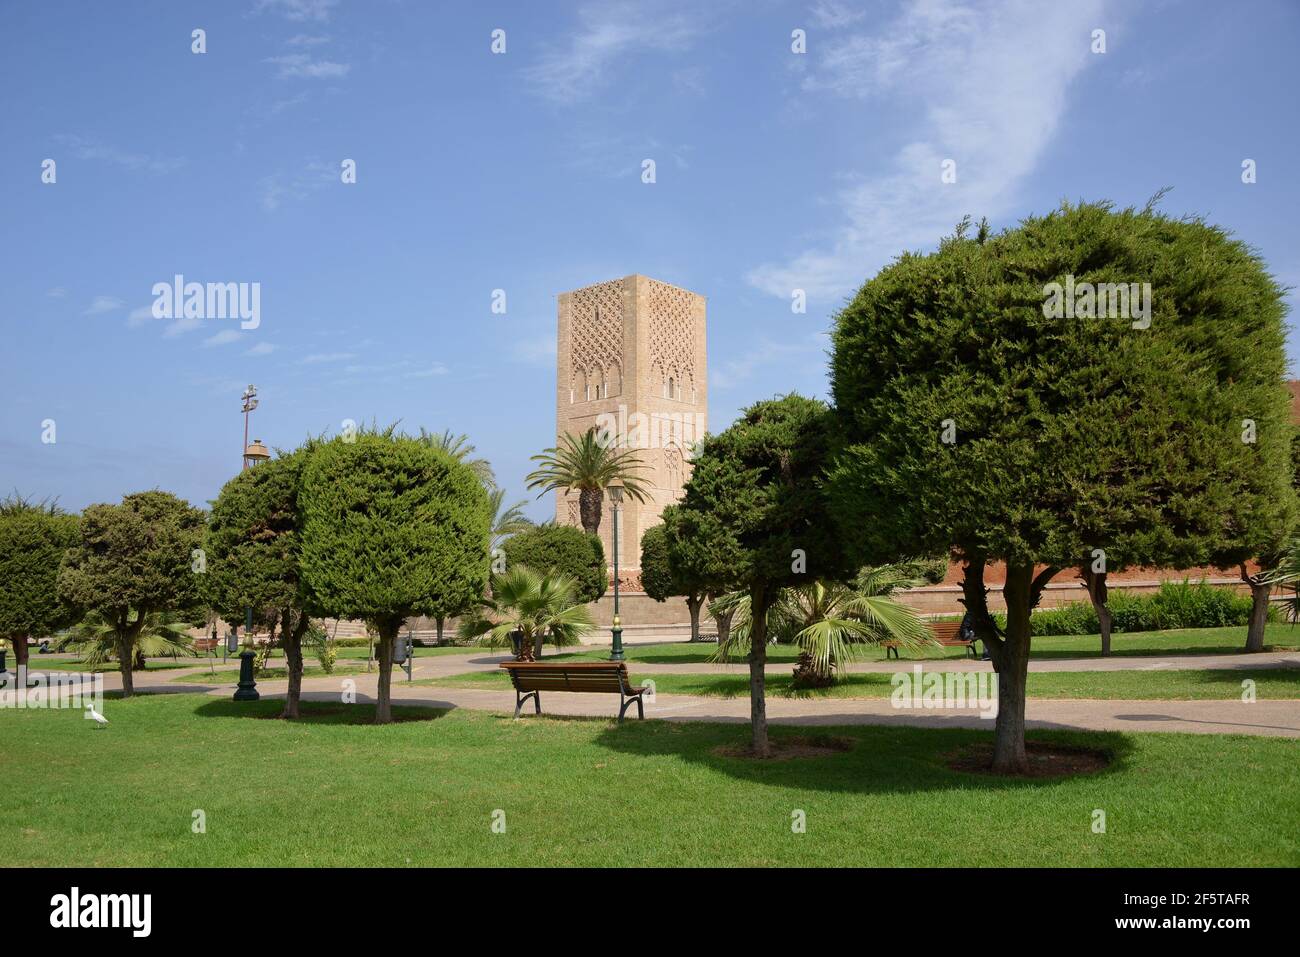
<point x="530" y="678"/>
<point x="946" y="633"/>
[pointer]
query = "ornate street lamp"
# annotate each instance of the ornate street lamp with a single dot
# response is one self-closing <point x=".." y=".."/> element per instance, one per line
<point x="250" y="403"/>
<point x="255" y="453"/>
<point x="246" y="690"/>
<point x="615" y="489"/>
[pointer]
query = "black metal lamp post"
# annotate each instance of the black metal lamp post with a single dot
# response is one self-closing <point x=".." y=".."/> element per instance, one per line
<point x="247" y="689"/>
<point x="615" y="490"/>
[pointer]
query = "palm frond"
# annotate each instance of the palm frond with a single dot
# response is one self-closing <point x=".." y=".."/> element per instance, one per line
<point x="584" y="462"/>
<point x="460" y="448"/>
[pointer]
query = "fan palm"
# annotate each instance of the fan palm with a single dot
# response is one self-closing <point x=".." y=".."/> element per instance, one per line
<point x="538" y="607"/>
<point x="460" y="449"/>
<point x="1286" y="574"/>
<point x="830" y="622"/>
<point x="95" y="640"/>
<point x="590" y="466"/>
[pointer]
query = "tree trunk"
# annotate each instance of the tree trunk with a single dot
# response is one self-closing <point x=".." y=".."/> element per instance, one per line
<point x="693" y="602"/>
<point x="1095" y="582"/>
<point x="438" y="622"/>
<point x="137" y="660"/>
<point x="757" y="662"/>
<point x="124" y="663"/>
<point x="589" y="501"/>
<point x="1259" y="592"/>
<point x="538" y="640"/>
<point x="19" y="643"/>
<point x="384" y="646"/>
<point x="724" y="627"/>
<point x="1011" y="660"/>
<point x="293" y="658"/>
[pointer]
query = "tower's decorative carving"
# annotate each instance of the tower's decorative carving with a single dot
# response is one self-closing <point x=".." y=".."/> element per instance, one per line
<point x="596" y="331"/>
<point x="632" y="351"/>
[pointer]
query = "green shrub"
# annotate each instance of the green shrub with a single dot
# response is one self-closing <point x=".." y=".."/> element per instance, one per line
<point x="1184" y="605"/>
<point x="325" y="649"/>
<point x="1176" y="605"/>
<point x="565" y="549"/>
<point x="360" y="641"/>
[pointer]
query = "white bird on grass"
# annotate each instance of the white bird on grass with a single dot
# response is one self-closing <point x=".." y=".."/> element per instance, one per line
<point x="98" y="718"/>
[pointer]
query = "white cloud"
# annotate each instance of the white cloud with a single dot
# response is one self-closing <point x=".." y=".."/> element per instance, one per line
<point x="299" y="10"/>
<point x="181" y="326"/>
<point x="103" y="304"/>
<point x="302" y="65"/>
<point x="608" y="35"/>
<point x="436" y="369"/>
<point x="987" y="83"/>
<point x="318" y="357"/>
<point x="261" y="349"/>
<point x="222" y="338"/>
<point x="280" y="187"/>
<point x="306" y="40"/>
<point x="540" y="351"/>
<point x="86" y="149"/>
<point x="140" y="316"/>
<point x="739" y="368"/>
<point x="834" y="15"/>
<point x="58" y="292"/>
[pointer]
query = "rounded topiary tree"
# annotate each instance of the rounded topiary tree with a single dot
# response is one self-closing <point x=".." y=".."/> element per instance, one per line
<point x="674" y="564"/>
<point x="755" y="496"/>
<point x="254" y="555"/>
<point x="133" y="560"/>
<point x="391" y="528"/>
<point x="996" y="399"/>
<point x="33" y="539"/>
<point x="562" y="549"/>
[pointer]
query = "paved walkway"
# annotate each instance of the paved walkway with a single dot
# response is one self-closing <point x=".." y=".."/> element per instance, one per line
<point x="1268" y="717"/>
<point x="443" y="665"/>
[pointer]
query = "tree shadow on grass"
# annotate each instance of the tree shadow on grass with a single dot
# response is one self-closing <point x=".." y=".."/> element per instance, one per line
<point x="883" y="759"/>
<point x="314" y="712"/>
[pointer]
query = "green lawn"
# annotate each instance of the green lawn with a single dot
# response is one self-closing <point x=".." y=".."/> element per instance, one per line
<point x="1137" y="685"/>
<point x="667" y="653"/>
<point x="331" y="791"/>
<point x="40" y="663"/>
<point x="363" y="653"/>
<point x="1191" y="641"/>
<point x="231" y="675"/>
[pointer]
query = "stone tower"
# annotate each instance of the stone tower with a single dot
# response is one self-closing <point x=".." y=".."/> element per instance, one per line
<point x="631" y="363"/>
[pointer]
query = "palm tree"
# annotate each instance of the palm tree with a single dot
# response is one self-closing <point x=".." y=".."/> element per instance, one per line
<point x="837" y="621"/>
<point x="95" y="640"/>
<point x="590" y="466"/>
<point x="1286" y="574"/>
<point x="506" y="520"/>
<point x="538" y="607"/>
<point x="460" y="449"/>
<point x="830" y="622"/>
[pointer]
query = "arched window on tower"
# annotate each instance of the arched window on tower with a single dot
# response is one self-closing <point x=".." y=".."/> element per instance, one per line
<point x="673" y="468"/>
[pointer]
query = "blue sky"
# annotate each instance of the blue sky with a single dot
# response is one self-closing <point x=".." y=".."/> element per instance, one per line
<point x="522" y="172"/>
